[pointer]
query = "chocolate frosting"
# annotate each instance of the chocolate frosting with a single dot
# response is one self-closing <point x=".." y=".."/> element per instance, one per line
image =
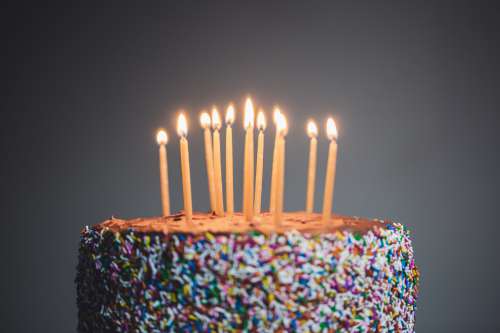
<point x="208" y="222"/>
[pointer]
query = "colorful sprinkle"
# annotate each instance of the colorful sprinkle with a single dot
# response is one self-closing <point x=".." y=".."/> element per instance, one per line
<point x="251" y="282"/>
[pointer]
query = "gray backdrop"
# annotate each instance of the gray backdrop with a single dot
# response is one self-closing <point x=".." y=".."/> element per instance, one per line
<point x="413" y="87"/>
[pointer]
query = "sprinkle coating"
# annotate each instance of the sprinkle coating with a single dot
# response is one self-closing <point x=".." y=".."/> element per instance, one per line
<point x="345" y="281"/>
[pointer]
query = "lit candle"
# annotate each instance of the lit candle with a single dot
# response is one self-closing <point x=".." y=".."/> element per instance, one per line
<point x="261" y="126"/>
<point x="162" y="139"/>
<point x="331" y="132"/>
<point x="229" y="160"/>
<point x="205" y="124"/>
<point x="248" y="162"/>
<point x="280" y="171"/>
<point x="312" y="131"/>
<point x="219" y="200"/>
<point x="186" y="173"/>
<point x="272" y="199"/>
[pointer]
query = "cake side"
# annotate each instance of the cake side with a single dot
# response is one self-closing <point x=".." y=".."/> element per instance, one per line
<point x="140" y="276"/>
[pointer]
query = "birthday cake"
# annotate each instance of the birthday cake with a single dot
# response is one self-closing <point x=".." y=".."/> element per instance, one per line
<point x="220" y="274"/>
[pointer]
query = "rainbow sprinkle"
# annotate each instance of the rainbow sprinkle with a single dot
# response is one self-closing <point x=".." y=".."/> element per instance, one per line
<point x="250" y="282"/>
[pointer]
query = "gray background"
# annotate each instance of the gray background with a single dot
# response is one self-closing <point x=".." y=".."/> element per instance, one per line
<point x="413" y="87"/>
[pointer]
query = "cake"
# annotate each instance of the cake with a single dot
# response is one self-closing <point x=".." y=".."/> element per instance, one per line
<point x="221" y="274"/>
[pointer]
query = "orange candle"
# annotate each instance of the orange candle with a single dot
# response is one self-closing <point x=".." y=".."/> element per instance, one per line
<point x="331" y="132"/>
<point x="261" y="126"/>
<point x="162" y="139"/>
<point x="229" y="160"/>
<point x="272" y="199"/>
<point x="280" y="171"/>
<point x="186" y="173"/>
<point x="205" y="124"/>
<point x="248" y="166"/>
<point x="219" y="201"/>
<point x="312" y="131"/>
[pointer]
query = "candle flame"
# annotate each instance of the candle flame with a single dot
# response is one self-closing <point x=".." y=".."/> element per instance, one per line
<point x="281" y="124"/>
<point x="216" y="122"/>
<point x="230" y="114"/>
<point x="249" y="114"/>
<point x="205" y="120"/>
<point x="261" y="120"/>
<point x="182" y="125"/>
<point x="312" y="129"/>
<point x="331" y="129"/>
<point x="276" y="113"/>
<point x="161" y="137"/>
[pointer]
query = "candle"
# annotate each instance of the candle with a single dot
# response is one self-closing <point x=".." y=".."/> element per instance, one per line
<point x="261" y="126"/>
<point x="229" y="160"/>
<point x="186" y="173"/>
<point x="312" y="131"/>
<point x="248" y="161"/>
<point x="162" y="139"/>
<point x="219" y="200"/>
<point x="272" y="199"/>
<point x="205" y="124"/>
<point x="281" y="126"/>
<point x="331" y="132"/>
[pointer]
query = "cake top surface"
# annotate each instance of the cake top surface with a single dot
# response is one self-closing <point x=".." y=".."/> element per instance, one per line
<point x="207" y="222"/>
